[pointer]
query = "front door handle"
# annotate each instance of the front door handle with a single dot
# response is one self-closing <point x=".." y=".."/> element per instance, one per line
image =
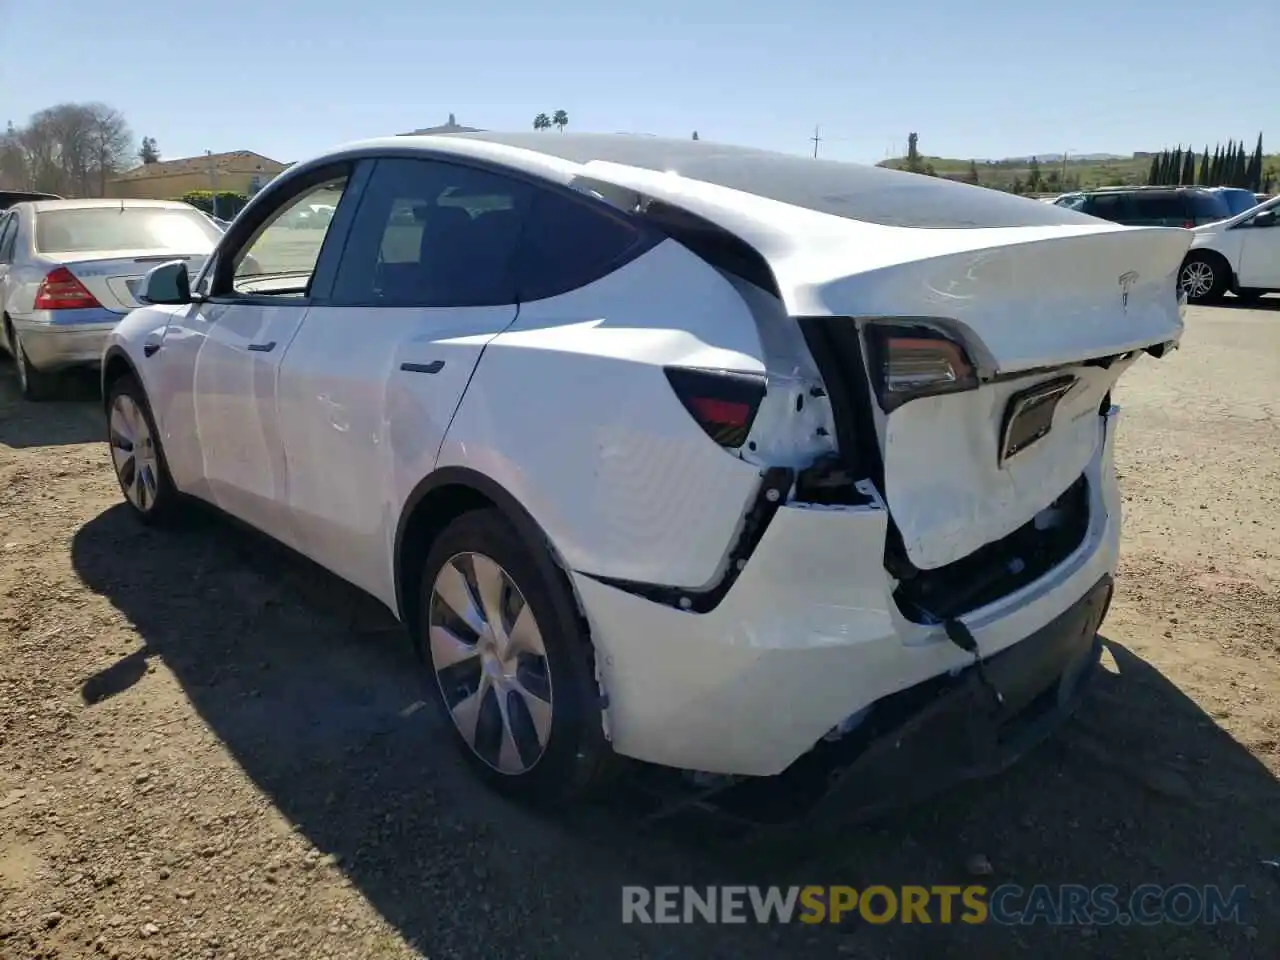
<point x="263" y="347"/>
<point x="435" y="366"/>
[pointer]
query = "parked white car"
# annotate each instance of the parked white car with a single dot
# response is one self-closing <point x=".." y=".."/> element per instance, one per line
<point x="1240" y="254"/>
<point x="69" y="270"/>
<point x="693" y="454"/>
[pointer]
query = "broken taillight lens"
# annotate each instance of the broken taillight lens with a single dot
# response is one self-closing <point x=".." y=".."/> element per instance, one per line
<point x="909" y="361"/>
<point x="723" y="402"/>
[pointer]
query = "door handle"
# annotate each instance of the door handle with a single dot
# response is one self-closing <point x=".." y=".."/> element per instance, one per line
<point x="263" y="347"/>
<point x="435" y="366"/>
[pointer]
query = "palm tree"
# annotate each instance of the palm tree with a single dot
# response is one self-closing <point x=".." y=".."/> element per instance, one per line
<point x="561" y="120"/>
<point x="542" y="122"/>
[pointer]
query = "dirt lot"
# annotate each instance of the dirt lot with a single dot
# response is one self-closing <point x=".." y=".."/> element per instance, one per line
<point x="209" y="749"/>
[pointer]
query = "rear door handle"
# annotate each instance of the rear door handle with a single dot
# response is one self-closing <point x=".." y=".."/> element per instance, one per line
<point x="263" y="347"/>
<point x="435" y="366"/>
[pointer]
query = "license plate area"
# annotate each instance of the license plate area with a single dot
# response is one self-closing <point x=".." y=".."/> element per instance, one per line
<point x="1028" y="417"/>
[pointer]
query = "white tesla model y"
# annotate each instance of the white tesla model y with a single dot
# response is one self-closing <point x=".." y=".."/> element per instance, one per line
<point x="704" y="456"/>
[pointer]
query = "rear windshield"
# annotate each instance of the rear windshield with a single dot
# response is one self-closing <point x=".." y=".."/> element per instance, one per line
<point x="869" y="194"/>
<point x="124" y="228"/>
<point x="1209" y="206"/>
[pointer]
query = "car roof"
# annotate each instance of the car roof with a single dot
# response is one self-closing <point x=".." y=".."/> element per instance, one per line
<point x="43" y="206"/>
<point x="850" y="191"/>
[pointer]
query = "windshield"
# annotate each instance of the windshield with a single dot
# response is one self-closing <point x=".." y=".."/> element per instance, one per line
<point x="124" y="228"/>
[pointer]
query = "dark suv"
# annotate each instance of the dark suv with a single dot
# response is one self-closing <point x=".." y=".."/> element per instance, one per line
<point x="1150" y="206"/>
<point x="9" y="197"/>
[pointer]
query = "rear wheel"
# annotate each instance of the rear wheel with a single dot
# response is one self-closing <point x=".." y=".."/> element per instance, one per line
<point x="137" y="455"/>
<point x="510" y="663"/>
<point x="1203" y="278"/>
<point x="34" y="384"/>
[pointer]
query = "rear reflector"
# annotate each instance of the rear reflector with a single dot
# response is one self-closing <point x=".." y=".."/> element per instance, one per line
<point x="60" y="290"/>
<point x="723" y="402"/>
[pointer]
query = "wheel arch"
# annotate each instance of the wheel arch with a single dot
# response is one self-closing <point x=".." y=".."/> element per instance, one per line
<point x="116" y="364"/>
<point x="440" y="498"/>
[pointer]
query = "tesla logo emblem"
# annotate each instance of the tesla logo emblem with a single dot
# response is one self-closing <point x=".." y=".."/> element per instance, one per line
<point x="1127" y="280"/>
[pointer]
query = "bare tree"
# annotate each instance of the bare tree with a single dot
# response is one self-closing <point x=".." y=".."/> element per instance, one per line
<point x="13" y="160"/>
<point x="73" y="148"/>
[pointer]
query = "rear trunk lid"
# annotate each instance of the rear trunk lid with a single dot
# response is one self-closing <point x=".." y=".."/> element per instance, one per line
<point x="1049" y="324"/>
<point x="115" y="277"/>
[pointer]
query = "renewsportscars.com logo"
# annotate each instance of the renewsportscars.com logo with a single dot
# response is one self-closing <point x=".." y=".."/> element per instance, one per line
<point x="1008" y="904"/>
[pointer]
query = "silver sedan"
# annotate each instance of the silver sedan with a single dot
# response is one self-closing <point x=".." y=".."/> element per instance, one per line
<point x="70" y="269"/>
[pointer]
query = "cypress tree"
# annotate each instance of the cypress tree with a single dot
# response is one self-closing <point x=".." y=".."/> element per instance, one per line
<point x="1175" y="171"/>
<point x="1203" y="179"/>
<point x="1255" y="168"/>
<point x="1189" y="168"/>
<point x="1238" y="178"/>
<point x="1153" y="175"/>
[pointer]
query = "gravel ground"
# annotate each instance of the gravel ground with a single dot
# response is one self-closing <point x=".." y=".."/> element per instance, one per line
<point x="212" y="749"/>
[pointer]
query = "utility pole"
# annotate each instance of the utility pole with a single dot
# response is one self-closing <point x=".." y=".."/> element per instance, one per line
<point x="213" y="183"/>
<point x="816" y="139"/>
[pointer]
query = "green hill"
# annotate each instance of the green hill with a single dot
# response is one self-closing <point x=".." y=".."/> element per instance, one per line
<point x="1056" y="176"/>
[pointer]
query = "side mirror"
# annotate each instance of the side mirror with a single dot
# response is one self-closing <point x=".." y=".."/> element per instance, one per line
<point x="1267" y="218"/>
<point x="169" y="283"/>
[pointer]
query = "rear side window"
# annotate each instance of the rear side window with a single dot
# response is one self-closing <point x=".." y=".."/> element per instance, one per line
<point x="433" y="234"/>
<point x="1158" y="206"/>
<point x="567" y="243"/>
<point x="1208" y="206"/>
<point x="1110" y="206"/>
<point x="124" y="228"/>
<point x="8" y="231"/>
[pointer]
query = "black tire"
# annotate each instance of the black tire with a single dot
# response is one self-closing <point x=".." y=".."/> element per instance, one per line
<point x="1211" y="278"/>
<point x="36" y="385"/>
<point x="164" y="505"/>
<point x="577" y="758"/>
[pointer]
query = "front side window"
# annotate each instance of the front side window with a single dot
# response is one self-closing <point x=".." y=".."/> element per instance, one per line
<point x="119" y="228"/>
<point x="281" y="257"/>
<point x="1071" y="203"/>
<point x="432" y="234"/>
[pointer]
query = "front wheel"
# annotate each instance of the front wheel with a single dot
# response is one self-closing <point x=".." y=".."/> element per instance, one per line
<point x="1202" y="278"/>
<point x="510" y="663"/>
<point x="136" y="454"/>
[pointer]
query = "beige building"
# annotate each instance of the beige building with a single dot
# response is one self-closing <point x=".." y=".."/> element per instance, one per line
<point x="240" y="171"/>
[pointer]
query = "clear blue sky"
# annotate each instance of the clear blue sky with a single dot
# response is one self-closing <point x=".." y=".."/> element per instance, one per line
<point x="986" y="78"/>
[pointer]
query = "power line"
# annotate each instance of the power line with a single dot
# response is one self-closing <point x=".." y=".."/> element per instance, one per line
<point x="816" y="140"/>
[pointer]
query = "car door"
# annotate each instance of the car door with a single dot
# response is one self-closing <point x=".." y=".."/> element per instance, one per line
<point x="1260" y="251"/>
<point x="371" y="381"/>
<point x="1110" y="206"/>
<point x="234" y="338"/>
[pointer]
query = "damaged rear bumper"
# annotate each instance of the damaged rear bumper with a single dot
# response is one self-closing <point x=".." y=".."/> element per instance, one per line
<point x="919" y="742"/>
<point x="957" y="731"/>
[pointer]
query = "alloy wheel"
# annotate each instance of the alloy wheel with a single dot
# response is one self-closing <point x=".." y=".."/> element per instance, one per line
<point x="490" y="663"/>
<point x="133" y="452"/>
<point x="1197" y="279"/>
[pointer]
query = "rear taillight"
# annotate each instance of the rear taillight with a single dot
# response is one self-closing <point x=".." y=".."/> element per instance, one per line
<point x="724" y="402"/>
<point x="60" y="290"/>
<point x="1187" y="225"/>
<point x="909" y="361"/>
